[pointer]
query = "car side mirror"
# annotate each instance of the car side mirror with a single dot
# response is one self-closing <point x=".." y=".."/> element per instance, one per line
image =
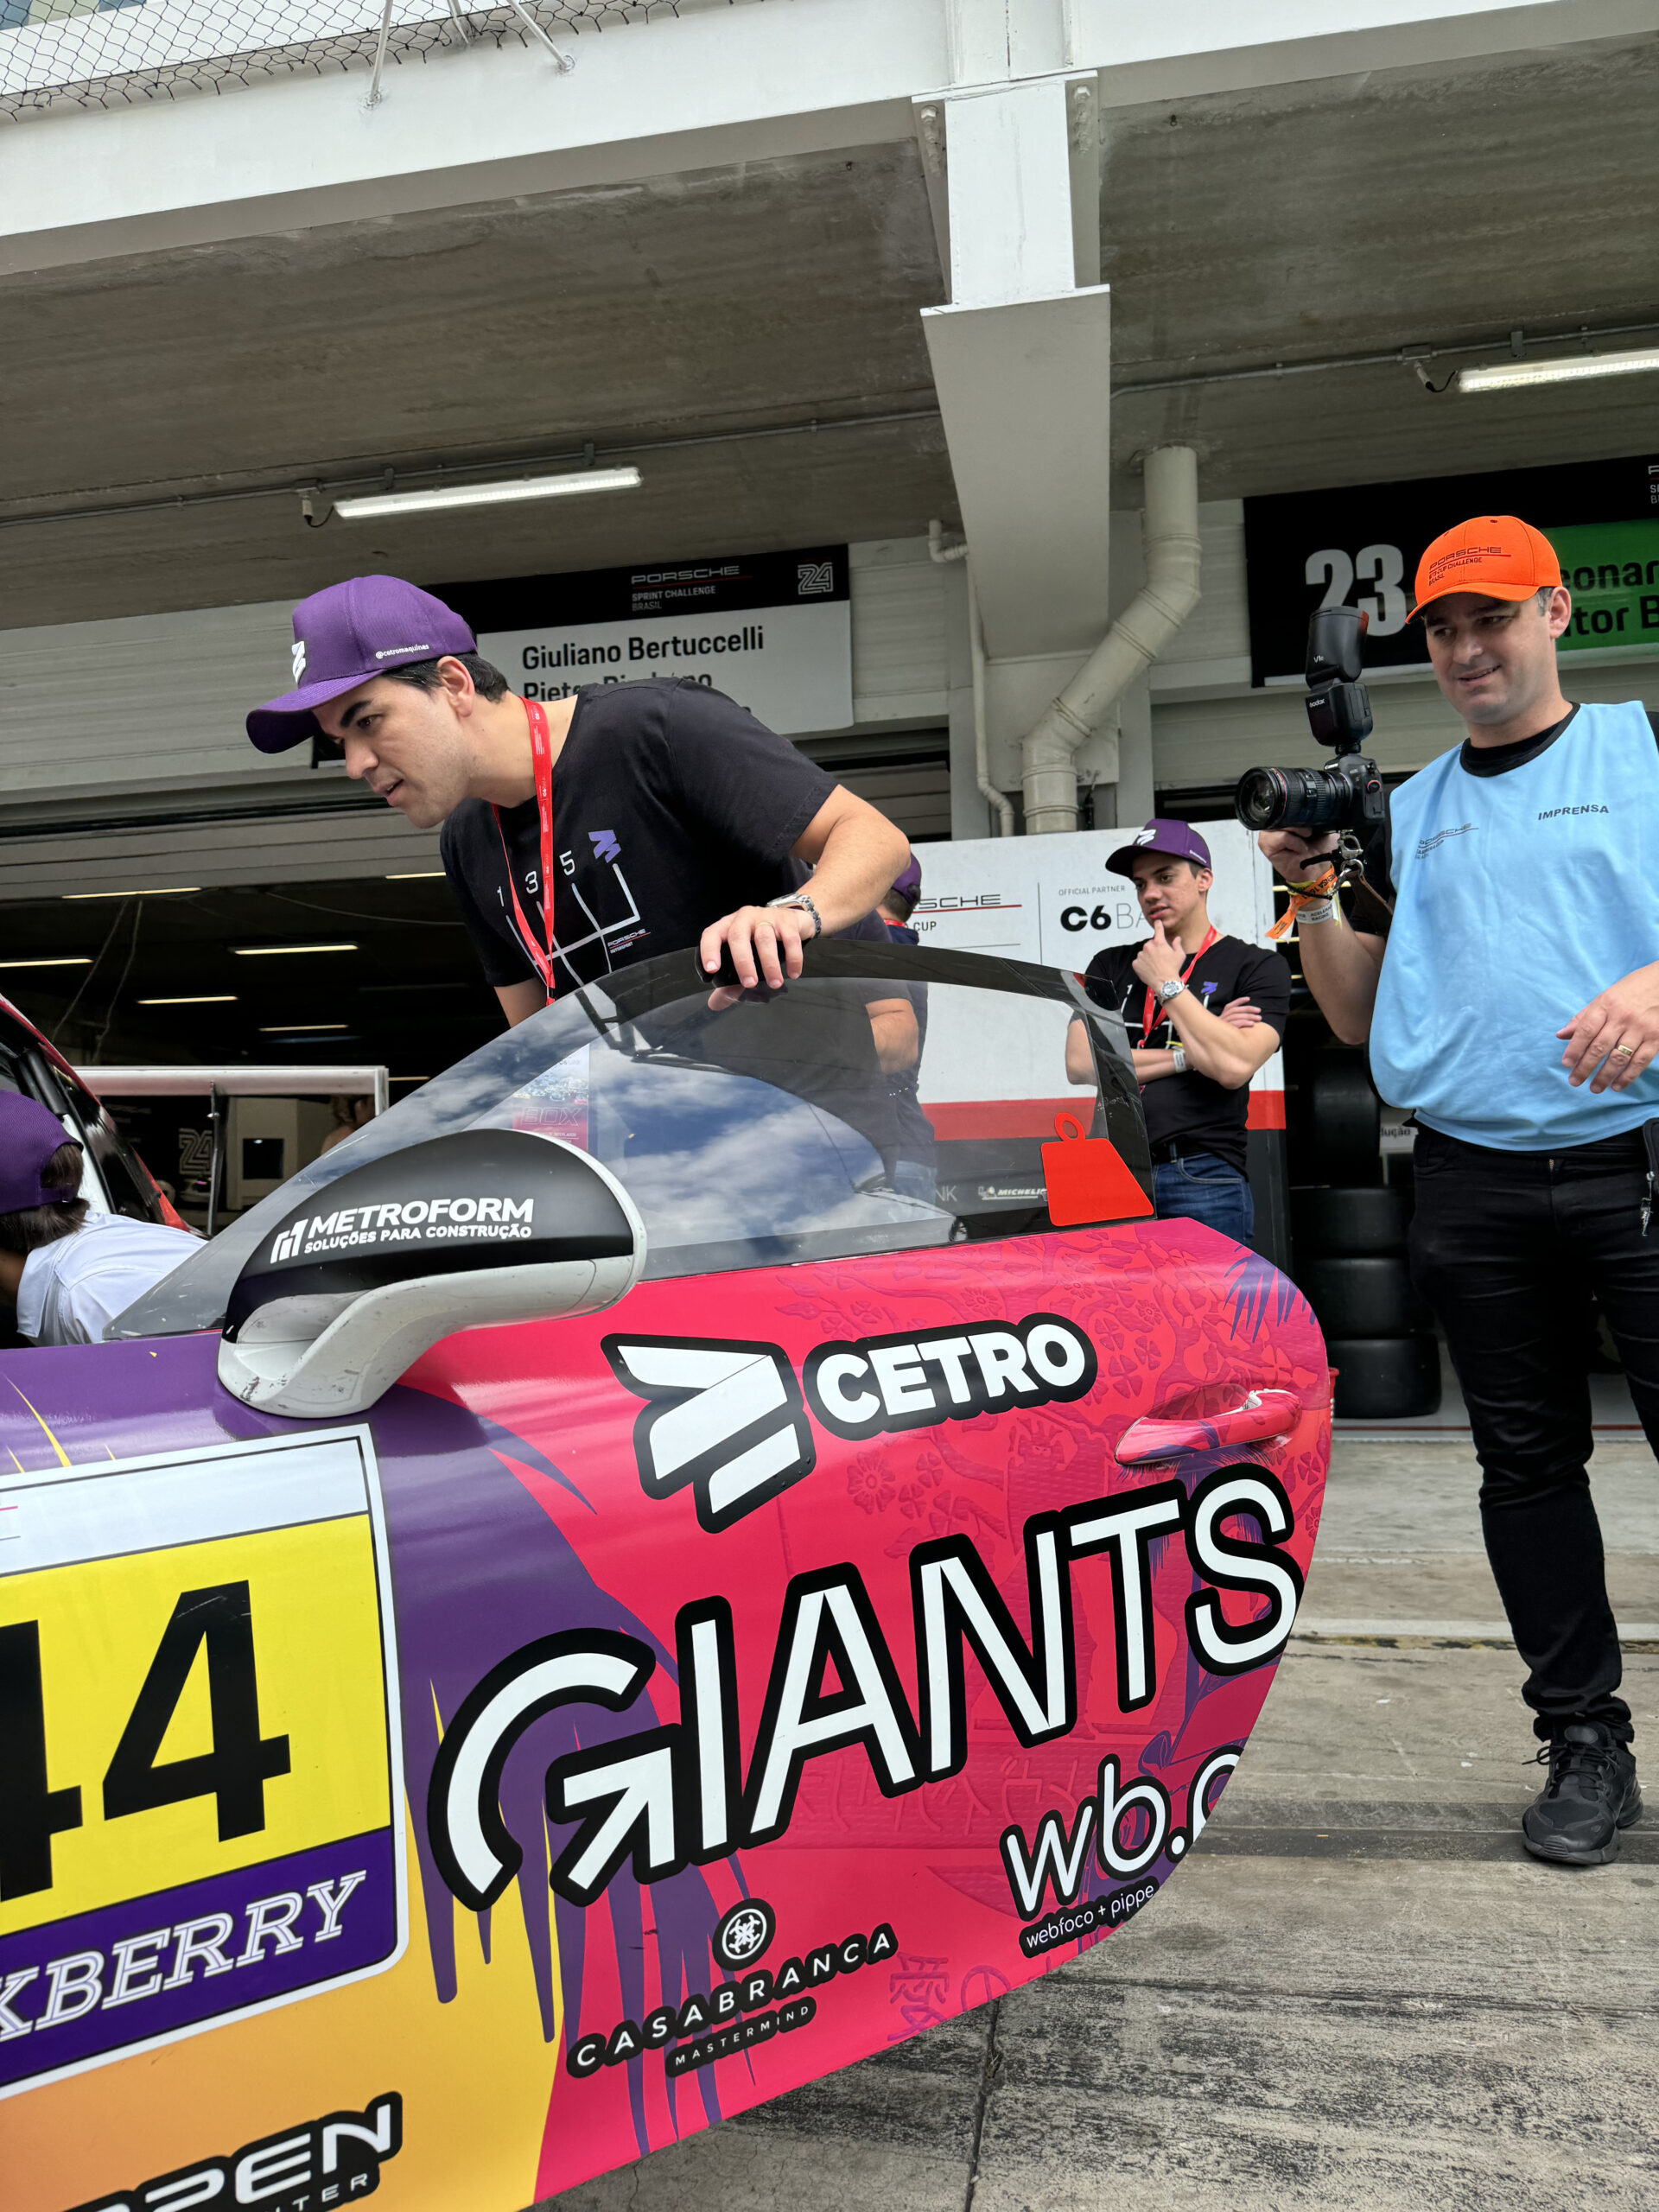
<point x="469" y="1232"/>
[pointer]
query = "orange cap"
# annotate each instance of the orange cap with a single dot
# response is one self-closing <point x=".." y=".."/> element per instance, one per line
<point x="1497" y="556"/>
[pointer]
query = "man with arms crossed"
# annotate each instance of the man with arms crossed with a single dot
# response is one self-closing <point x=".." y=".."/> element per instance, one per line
<point x="1514" y="1006"/>
<point x="666" y="815"/>
<point x="1204" y="1012"/>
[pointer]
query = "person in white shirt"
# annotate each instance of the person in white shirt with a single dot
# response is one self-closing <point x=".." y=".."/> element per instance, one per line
<point x="67" y="1269"/>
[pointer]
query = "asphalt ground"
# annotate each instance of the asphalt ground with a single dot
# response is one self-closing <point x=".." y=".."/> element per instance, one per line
<point x="1360" y="1994"/>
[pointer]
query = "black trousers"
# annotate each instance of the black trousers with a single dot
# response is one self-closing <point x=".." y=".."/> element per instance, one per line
<point x="1507" y="1247"/>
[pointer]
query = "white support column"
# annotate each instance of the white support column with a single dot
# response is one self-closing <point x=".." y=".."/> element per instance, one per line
<point x="1010" y="194"/>
<point x="990" y="40"/>
<point x="1022" y="362"/>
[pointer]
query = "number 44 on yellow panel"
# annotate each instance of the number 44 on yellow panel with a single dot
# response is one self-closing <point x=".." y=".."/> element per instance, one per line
<point x="194" y="1696"/>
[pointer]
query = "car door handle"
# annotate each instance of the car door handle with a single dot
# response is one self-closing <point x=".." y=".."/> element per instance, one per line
<point x="1264" y="1415"/>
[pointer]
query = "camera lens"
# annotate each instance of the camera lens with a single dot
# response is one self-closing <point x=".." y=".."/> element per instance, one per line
<point x="1261" y="799"/>
<point x="1308" y="799"/>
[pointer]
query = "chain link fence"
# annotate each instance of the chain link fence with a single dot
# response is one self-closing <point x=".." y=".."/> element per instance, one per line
<point x="57" y="55"/>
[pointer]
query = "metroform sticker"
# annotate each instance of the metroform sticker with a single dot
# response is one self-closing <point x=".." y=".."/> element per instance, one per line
<point x="728" y="1419"/>
<point x="412" y="1221"/>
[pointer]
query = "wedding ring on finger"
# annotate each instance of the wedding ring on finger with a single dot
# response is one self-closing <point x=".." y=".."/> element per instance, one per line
<point x="1623" y="1053"/>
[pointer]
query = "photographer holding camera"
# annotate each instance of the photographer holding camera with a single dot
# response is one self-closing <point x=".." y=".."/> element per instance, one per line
<point x="1514" y="1006"/>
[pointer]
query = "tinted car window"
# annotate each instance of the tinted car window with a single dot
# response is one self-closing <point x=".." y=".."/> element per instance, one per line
<point x="890" y="1099"/>
<point x="771" y="1130"/>
<point x="128" y="1195"/>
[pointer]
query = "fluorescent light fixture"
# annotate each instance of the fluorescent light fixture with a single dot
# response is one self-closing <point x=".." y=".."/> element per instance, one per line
<point x="414" y="874"/>
<point x="196" y="998"/>
<point x="504" y="491"/>
<point x="150" y="891"/>
<point x="1569" y="368"/>
<point x="294" y="1028"/>
<point x="264" y="951"/>
<point x="78" y="960"/>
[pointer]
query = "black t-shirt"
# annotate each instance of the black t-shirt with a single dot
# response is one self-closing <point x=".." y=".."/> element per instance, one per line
<point x="1193" y="1107"/>
<point x="916" y="1138"/>
<point x="1478" y="760"/>
<point x="672" y="806"/>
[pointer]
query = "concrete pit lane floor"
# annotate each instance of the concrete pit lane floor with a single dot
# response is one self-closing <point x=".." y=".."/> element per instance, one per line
<point x="1359" y="1992"/>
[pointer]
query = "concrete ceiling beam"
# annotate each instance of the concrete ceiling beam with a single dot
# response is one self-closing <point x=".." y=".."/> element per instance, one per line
<point x="675" y="95"/>
<point x="1186" y="49"/>
<point x="469" y="125"/>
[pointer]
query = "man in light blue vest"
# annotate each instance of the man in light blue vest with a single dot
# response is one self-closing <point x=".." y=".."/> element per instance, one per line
<point x="1514" y="1006"/>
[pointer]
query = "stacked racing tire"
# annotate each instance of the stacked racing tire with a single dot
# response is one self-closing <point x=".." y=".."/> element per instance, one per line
<point x="1349" y="1233"/>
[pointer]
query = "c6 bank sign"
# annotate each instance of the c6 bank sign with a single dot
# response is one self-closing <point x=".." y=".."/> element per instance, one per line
<point x="774" y="630"/>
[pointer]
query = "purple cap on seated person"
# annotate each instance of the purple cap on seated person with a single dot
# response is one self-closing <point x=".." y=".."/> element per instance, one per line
<point x="909" y="885"/>
<point x="1179" y="839"/>
<point x="345" y="635"/>
<point x="29" y="1134"/>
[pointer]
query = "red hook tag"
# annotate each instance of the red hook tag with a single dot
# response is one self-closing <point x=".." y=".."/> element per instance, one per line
<point x="1087" y="1179"/>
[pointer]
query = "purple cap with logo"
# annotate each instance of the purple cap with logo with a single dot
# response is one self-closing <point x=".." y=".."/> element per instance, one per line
<point x="1180" y="839"/>
<point x="29" y="1134"/>
<point x="345" y="635"/>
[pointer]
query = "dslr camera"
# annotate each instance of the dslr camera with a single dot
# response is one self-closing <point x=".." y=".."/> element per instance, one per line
<point x="1348" y="796"/>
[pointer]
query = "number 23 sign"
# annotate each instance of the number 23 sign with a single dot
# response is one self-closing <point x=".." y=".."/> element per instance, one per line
<point x="1359" y="547"/>
<point x="196" y="1655"/>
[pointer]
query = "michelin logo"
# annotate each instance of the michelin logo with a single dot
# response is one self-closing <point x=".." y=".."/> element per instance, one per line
<point x="415" y="1221"/>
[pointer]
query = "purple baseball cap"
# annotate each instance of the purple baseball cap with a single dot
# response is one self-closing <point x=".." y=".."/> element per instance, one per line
<point x="909" y="884"/>
<point x="344" y="636"/>
<point x="1180" y="839"/>
<point x="29" y="1134"/>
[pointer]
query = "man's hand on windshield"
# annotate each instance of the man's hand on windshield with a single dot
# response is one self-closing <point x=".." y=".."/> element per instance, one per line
<point x="1610" y="1041"/>
<point x="765" y="943"/>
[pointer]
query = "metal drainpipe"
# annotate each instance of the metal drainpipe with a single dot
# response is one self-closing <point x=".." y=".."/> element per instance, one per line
<point x="939" y="551"/>
<point x="1135" y="641"/>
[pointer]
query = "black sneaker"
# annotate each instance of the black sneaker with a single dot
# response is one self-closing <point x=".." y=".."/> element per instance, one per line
<point x="1593" y="1793"/>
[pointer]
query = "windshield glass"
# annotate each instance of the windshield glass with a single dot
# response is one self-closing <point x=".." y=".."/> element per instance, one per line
<point x="891" y="1099"/>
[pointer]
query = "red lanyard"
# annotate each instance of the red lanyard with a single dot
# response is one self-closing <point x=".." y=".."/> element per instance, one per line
<point x="1146" y="1011"/>
<point x="541" y="754"/>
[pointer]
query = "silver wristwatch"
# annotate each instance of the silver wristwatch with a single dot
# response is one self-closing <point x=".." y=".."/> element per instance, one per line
<point x="1172" y="989"/>
<point x="800" y="899"/>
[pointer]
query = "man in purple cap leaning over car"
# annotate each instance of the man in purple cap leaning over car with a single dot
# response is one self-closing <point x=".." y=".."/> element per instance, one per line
<point x="664" y="815"/>
<point x="1203" y="1013"/>
<point x="67" y="1270"/>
